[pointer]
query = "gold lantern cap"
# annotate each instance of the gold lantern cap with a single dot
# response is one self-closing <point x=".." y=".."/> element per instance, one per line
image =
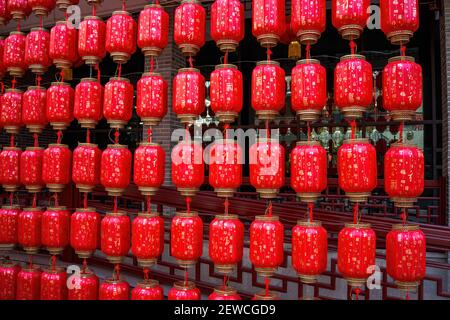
<point x="33" y="148"/>
<point x="353" y="56"/>
<point x="89" y="79"/>
<point x="145" y="214"/>
<point x="227" y="217"/>
<point x="267" y="218"/>
<point x="308" y="143"/>
<point x="60" y="84"/>
<point x="39" y="29"/>
<point x="185" y="214"/>
<point x="267" y="62"/>
<point x="13" y="90"/>
<point x="57" y="208"/>
<point x="17" y="33"/>
<point x="36" y="88"/>
<point x="152" y="73"/>
<point x="119" y="79"/>
<point x="60" y="145"/>
<point x="356" y="140"/>
<point x="308" y="61"/>
<point x="86" y="144"/>
<point x="88" y="209"/>
<point x="401" y="58"/>
<point x="358" y="225"/>
<point x="121" y="12"/>
<point x="225" y="290"/>
<point x="11" y="207"/>
<point x="225" y="66"/>
<point x="184" y="285"/>
<point x="117" y="146"/>
<point x="148" y="144"/>
<point x="307" y="223"/>
<point x="118" y="213"/>
<point x="53" y="270"/>
<point x="33" y="209"/>
<point x="190" y="69"/>
<point x="92" y="18"/>
<point x="148" y="283"/>
<point x="406" y="227"/>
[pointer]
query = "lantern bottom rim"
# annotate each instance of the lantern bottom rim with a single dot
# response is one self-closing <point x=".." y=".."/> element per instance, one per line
<point x="62" y="64"/>
<point x="402" y="115"/>
<point x="350" y="31"/>
<point x="265" y="272"/>
<point x="114" y="259"/>
<point x="308" y="36"/>
<point x="84" y="188"/>
<point x="91" y="60"/>
<point x="263" y="295"/>
<point x="151" y="51"/>
<point x="87" y="123"/>
<point x="14" y="129"/>
<point x="224" y="192"/>
<point x="353" y="112"/>
<point x="268" y="40"/>
<point x="404" y="202"/>
<point x="226" y="116"/>
<point x="148" y="191"/>
<point x="188" y="192"/>
<point x="400" y="37"/>
<point x="227" y="45"/>
<point x="308" y="114"/>
<point x="18" y="15"/>
<point x="38" y="69"/>
<point x="117" y="124"/>
<point x="54" y="251"/>
<point x="187" y="118"/>
<point x="31" y="250"/>
<point x="267" y="193"/>
<point x="308" y="197"/>
<point x="224" y="268"/>
<point x="407" y="286"/>
<point x="40" y="11"/>
<point x="266" y="114"/>
<point x="35" y="128"/>
<point x="151" y="121"/>
<point x="57" y="126"/>
<point x="145" y="263"/>
<point x="55" y="187"/>
<point x="33" y="188"/>
<point x="115" y="192"/>
<point x="356" y="282"/>
<point x="120" y="57"/>
<point x="189" y="49"/>
<point x="10" y="187"/>
<point x="7" y="246"/>
<point x="84" y="254"/>
<point x="186" y="263"/>
<point x="357" y="196"/>
<point x="307" y="278"/>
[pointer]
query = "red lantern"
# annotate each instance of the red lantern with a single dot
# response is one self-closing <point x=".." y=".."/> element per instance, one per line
<point x="227" y="24"/>
<point x="29" y="229"/>
<point x="86" y="166"/>
<point x="36" y="50"/>
<point x="268" y="89"/>
<point x="356" y="253"/>
<point x="147" y="238"/>
<point x="54" y="284"/>
<point x="118" y="102"/>
<point x="11" y="110"/>
<point x="308" y="170"/>
<point x="2" y="47"/>
<point x="55" y="226"/>
<point x="350" y="17"/>
<point x="84" y="225"/>
<point x="59" y="108"/>
<point x="41" y="8"/>
<point x="121" y="36"/>
<point x="85" y="287"/>
<point x="8" y="280"/>
<point x="184" y="290"/>
<point x="34" y="103"/>
<point x="268" y="21"/>
<point x="31" y="169"/>
<point x="226" y="92"/>
<point x="266" y="244"/>
<point x="63" y="45"/>
<point x="56" y="164"/>
<point x="10" y="168"/>
<point x="147" y="290"/>
<point x="402" y="88"/>
<point x="226" y="242"/>
<point x="19" y="9"/>
<point x="406" y="255"/>
<point x="115" y="236"/>
<point x="188" y="168"/>
<point x="309" y="250"/>
<point x="113" y="289"/>
<point x="224" y="293"/>
<point x="404" y="174"/>
<point x="189" y="27"/>
<point x="153" y="30"/>
<point x="88" y="102"/>
<point x="91" y="42"/>
<point x="308" y="89"/>
<point x="29" y="284"/>
<point x="188" y="95"/>
<point x="115" y="169"/>
<point x="353" y="85"/>
<point x="151" y="104"/>
<point x="267" y="167"/>
<point x="186" y="238"/>
<point x="308" y="20"/>
<point x="357" y="169"/>
<point x="149" y="167"/>
<point x="5" y="15"/>
<point x="8" y="226"/>
<point x="64" y="4"/>
<point x="399" y="20"/>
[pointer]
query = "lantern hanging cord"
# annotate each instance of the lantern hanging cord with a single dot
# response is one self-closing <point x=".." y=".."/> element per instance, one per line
<point x="308" y="53"/>
<point x="61" y="73"/>
<point x="308" y="124"/>
<point x="225" y="281"/>
<point x="124" y="5"/>
<point x="13" y="82"/>
<point x="146" y="273"/>
<point x="34" y="200"/>
<point x="30" y="261"/>
<point x="38" y="80"/>
<point x="357" y="292"/>
<point x="11" y="198"/>
<point x="355" y="213"/>
<point x="353" y="47"/>
<point x="225" y="58"/>
<point x="152" y="63"/>
<point x="404" y="216"/>
<point x="149" y="204"/>
<point x="400" y="131"/>
<point x="226" y="205"/>
<point x="267" y="129"/>
<point x="116" y="136"/>
<point x="94" y="10"/>
<point x="226" y="126"/>
<point x="149" y="134"/>
<point x="84" y="265"/>
<point x="97" y="67"/>
<point x="310" y="209"/>
<point x="12" y="141"/>
<point x="119" y="70"/>
<point x="191" y="64"/>
<point x="55" y="197"/>
<point x="353" y="128"/>
<point x="186" y="276"/>
<point x="269" y="53"/>
<point x="267" y="285"/>
<point x="59" y="137"/>
<point x="407" y="295"/>
<point x="85" y="200"/>
<point x="269" y="208"/>
<point x="88" y="136"/>
<point x="402" y="51"/>
<point x="156" y="1"/>
<point x="115" y="204"/>
<point x="188" y="204"/>
<point x="53" y="262"/>
<point x="188" y="136"/>
<point x="18" y="25"/>
<point x="117" y="271"/>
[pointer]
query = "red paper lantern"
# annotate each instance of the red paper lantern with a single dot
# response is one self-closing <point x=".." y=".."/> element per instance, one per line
<point x="399" y="20"/>
<point x="55" y="228"/>
<point x="186" y="238"/>
<point x="226" y="242"/>
<point x="121" y="36"/>
<point x="309" y="250"/>
<point x="115" y="169"/>
<point x="2" y="47"/>
<point x="118" y="102"/>
<point x="8" y="280"/>
<point x="225" y="167"/>
<point x="56" y="164"/>
<point x="227" y="24"/>
<point x="91" y="42"/>
<point x="31" y="169"/>
<point x="88" y="102"/>
<point x="189" y="27"/>
<point x="34" y="104"/>
<point x="224" y="293"/>
<point x="36" y="50"/>
<point x="350" y="17"/>
<point x="188" y="95"/>
<point x="266" y="244"/>
<point x="85" y="287"/>
<point x="402" y="88"/>
<point x="308" y="89"/>
<point x="86" y="166"/>
<point x="84" y="224"/>
<point x="147" y="290"/>
<point x="268" y="89"/>
<point x="5" y="15"/>
<point x="115" y="236"/>
<point x="29" y="284"/>
<point x="11" y="110"/>
<point x="19" y="9"/>
<point x="356" y="253"/>
<point x="147" y="238"/>
<point x="188" y="169"/>
<point x="153" y="30"/>
<point x="8" y="226"/>
<point x="64" y="4"/>
<point x="151" y="104"/>
<point x="308" y="19"/>
<point x="406" y="255"/>
<point x="29" y="229"/>
<point x="353" y="85"/>
<point x="357" y="169"/>
<point x="404" y="174"/>
<point x="41" y="8"/>
<point x="63" y="45"/>
<point x="54" y="284"/>
<point x="308" y="170"/>
<point x="184" y="290"/>
<point x="268" y="21"/>
<point x="113" y="289"/>
<point x="226" y="92"/>
<point x="10" y="168"/>
<point x="267" y="167"/>
<point x="149" y="167"/>
<point x="59" y="110"/>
